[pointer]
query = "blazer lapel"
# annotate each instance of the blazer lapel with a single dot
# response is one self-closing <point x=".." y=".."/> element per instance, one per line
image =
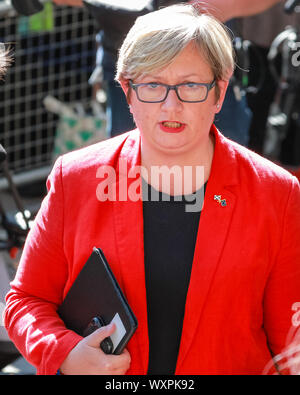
<point x="216" y="216"/>
<point x="128" y="217"/>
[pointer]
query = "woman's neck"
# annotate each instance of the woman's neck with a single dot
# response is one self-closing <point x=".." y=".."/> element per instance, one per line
<point x="178" y="174"/>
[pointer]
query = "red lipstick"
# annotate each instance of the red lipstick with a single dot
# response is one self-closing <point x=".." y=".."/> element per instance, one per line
<point x="171" y="126"/>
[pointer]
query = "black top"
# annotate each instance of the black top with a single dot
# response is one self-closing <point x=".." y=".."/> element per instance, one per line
<point x="169" y="241"/>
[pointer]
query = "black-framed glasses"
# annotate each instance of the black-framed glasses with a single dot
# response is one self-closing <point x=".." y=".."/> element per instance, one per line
<point x="188" y="92"/>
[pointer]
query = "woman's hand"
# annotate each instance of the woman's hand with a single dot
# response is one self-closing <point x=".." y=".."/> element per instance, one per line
<point x="88" y="358"/>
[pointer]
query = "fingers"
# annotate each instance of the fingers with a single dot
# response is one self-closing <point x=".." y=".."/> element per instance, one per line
<point x="118" y="364"/>
<point x="88" y="358"/>
<point x="107" y="363"/>
<point x="95" y="338"/>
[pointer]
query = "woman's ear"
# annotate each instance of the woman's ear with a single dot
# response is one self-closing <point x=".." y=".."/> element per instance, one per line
<point x="125" y="85"/>
<point x="126" y="89"/>
<point x="223" y="85"/>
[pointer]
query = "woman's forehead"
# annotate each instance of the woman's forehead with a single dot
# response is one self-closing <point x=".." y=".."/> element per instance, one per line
<point x="189" y="63"/>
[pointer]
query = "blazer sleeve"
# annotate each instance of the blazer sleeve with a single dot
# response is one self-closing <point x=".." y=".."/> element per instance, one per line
<point x="283" y="287"/>
<point x="30" y="316"/>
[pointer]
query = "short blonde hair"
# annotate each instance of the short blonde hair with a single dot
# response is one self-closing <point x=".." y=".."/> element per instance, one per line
<point x="158" y="37"/>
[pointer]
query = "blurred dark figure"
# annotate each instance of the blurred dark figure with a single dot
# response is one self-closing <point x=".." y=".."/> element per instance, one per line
<point x="261" y="30"/>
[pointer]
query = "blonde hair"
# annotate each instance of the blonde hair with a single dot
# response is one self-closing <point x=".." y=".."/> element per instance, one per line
<point x="5" y="59"/>
<point x="158" y="37"/>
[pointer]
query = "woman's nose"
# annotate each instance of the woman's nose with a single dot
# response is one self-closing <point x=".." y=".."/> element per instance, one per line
<point x="172" y="101"/>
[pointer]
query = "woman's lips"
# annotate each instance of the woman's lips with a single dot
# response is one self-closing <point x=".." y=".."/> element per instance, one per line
<point x="172" y="126"/>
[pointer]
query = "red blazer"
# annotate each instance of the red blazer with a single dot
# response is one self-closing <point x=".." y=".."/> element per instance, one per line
<point x="245" y="276"/>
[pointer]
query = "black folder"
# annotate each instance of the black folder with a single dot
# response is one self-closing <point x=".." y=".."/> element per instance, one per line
<point x="96" y="293"/>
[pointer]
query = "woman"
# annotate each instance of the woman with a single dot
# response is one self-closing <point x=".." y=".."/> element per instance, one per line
<point x="5" y="59"/>
<point x="211" y="287"/>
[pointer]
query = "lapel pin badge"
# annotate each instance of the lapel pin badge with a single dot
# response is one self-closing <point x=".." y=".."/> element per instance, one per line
<point x="221" y="201"/>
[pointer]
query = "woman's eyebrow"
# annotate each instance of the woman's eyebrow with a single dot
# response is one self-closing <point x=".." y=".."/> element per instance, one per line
<point x="183" y="77"/>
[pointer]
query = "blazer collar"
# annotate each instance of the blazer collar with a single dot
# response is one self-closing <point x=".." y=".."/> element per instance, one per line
<point x="224" y="170"/>
<point x="128" y="218"/>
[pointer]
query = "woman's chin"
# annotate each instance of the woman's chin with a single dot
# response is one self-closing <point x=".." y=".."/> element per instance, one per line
<point x="171" y="142"/>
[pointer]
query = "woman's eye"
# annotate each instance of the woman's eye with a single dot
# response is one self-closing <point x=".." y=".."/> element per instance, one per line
<point x="153" y="85"/>
<point x="191" y="85"/>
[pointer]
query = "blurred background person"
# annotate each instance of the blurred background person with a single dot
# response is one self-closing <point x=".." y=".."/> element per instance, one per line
<point x="261" y="30"/>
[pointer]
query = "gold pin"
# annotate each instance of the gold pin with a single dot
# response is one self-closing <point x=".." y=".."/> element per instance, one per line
<point x="221" y="201"/>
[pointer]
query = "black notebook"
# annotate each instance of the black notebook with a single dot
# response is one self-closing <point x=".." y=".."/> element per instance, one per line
<point x="96" y="293"/>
